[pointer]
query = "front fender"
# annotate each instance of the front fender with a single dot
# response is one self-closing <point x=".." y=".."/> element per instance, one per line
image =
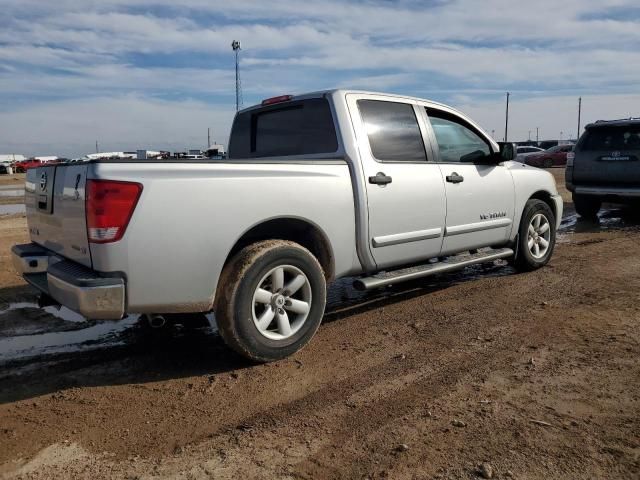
<point x="531" y="182"/>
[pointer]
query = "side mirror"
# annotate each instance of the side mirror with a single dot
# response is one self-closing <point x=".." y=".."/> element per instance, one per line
<point x="508" y="151"/>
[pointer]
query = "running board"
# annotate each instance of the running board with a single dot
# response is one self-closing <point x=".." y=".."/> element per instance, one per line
<point x="451" y="263"/>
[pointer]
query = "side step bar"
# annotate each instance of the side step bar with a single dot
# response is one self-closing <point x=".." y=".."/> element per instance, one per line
<point x="450" y="264"/>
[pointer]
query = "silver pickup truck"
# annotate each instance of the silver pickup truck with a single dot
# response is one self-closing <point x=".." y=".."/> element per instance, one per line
<point x="378" y="187"/>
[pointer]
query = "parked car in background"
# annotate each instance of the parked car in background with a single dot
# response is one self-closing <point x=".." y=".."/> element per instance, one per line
<point x="24" y="165"/>
<point x="547" y="144"/>
<point x="524" y="151"/>
<point x="605" y="165"/>
<point x="316" y="187"/>
<point x="4" y="167"/>
<point x="553" y="157"/>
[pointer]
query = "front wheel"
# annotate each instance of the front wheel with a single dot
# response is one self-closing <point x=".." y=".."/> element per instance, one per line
<point x="271" y="299"/>
<point x="536" y="236"/>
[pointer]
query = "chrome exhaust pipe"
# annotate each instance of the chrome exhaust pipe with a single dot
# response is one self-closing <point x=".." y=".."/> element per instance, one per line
<point x="156" y="320"/>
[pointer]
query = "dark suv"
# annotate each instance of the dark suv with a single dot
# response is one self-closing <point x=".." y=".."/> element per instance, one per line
<point x="605" y="165"/>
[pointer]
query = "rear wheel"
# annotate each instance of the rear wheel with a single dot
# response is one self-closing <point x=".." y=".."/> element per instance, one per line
<point x="587" y="206"/>
<point x="536" y="236"/>
<point x="271" y="300"/>
<point x="548" y="163"/>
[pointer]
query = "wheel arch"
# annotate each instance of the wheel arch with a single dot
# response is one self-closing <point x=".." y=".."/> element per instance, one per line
<point x="295" y="229"/>
<point x="546" y="197"/>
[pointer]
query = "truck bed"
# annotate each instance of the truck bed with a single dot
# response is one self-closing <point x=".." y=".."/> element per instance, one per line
<point x="188" y="218"/>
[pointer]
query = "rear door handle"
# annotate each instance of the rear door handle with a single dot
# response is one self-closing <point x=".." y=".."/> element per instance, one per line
<point x="455" y="178"/>
<point x="380" y="179"/>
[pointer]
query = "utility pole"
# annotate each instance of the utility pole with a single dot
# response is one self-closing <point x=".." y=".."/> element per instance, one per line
<point x="506" y="120"/>
<point x="96" y="146"/>
<point x="579" y="112"/>
<point x="235" y="45"/>
<point x="529" y="135"/>
<point x="208" y="137"/>
<point x="493" y="133"/>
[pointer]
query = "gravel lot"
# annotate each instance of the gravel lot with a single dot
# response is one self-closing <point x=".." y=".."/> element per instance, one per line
<point x="523" y="376"/>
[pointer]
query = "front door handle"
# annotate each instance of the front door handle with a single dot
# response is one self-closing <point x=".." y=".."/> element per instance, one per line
<point x="455" y="178"/>
<point x="380" y="179"/>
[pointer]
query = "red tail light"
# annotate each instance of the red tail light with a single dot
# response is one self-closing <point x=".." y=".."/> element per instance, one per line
<point x="109" y="206"/>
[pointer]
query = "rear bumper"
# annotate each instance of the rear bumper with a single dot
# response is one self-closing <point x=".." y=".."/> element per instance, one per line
<point x="604" y="191"/>
<point x="75" y="286"/>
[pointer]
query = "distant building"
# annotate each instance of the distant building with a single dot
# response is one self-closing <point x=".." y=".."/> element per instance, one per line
<point x="124" y="155"/>
<point x="215" y="151"/>
<point x="12" y="157"/>
<point x="99" y="155"/>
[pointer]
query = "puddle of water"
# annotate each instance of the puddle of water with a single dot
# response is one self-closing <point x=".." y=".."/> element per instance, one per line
<point x="102" y="335"/>
<point x="12" y="193"/>
<point x="608" y="219"/>
<point x="12" y="209"/>
<point x="63" y="313"/>
<point x="97" y="336"/>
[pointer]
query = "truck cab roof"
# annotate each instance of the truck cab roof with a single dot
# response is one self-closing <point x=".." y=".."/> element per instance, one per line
<point x="342" y="92"/>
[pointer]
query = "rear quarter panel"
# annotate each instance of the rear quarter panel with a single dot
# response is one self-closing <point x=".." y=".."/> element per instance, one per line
<point x="190" y="215"/>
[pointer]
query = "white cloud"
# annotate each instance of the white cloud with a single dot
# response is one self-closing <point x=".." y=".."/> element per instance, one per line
<point x="87" y="52"/>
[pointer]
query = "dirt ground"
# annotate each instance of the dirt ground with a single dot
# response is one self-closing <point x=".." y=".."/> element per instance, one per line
<point x="15" y="179"/>
<point x="535" y="375"/>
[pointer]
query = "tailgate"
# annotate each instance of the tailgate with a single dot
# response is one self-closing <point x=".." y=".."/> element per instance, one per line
<point x="54" y="197"/>
<point x="608" y="156"/>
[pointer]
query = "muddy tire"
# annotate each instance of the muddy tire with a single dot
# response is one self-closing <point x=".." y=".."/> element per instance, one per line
<point x="270" y="300"/>
<point x="587" y="206"/>
<point x="536" y="236"/>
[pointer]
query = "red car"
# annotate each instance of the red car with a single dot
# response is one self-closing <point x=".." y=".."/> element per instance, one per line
<point x="553" y="157"/>
<point x="23" y="165"/>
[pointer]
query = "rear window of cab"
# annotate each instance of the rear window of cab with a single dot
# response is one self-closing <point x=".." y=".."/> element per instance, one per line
<point x="612" y="138"/>
<point x="303" y="127"/>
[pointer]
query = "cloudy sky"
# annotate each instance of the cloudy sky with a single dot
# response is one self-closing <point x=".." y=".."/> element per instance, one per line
<point x="156" y="73"/>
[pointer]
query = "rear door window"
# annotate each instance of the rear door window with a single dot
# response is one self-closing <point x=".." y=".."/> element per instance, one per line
<point x="303" y="127"/>
<point x="393" y="131"/>
<point x="612" y="138"/>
